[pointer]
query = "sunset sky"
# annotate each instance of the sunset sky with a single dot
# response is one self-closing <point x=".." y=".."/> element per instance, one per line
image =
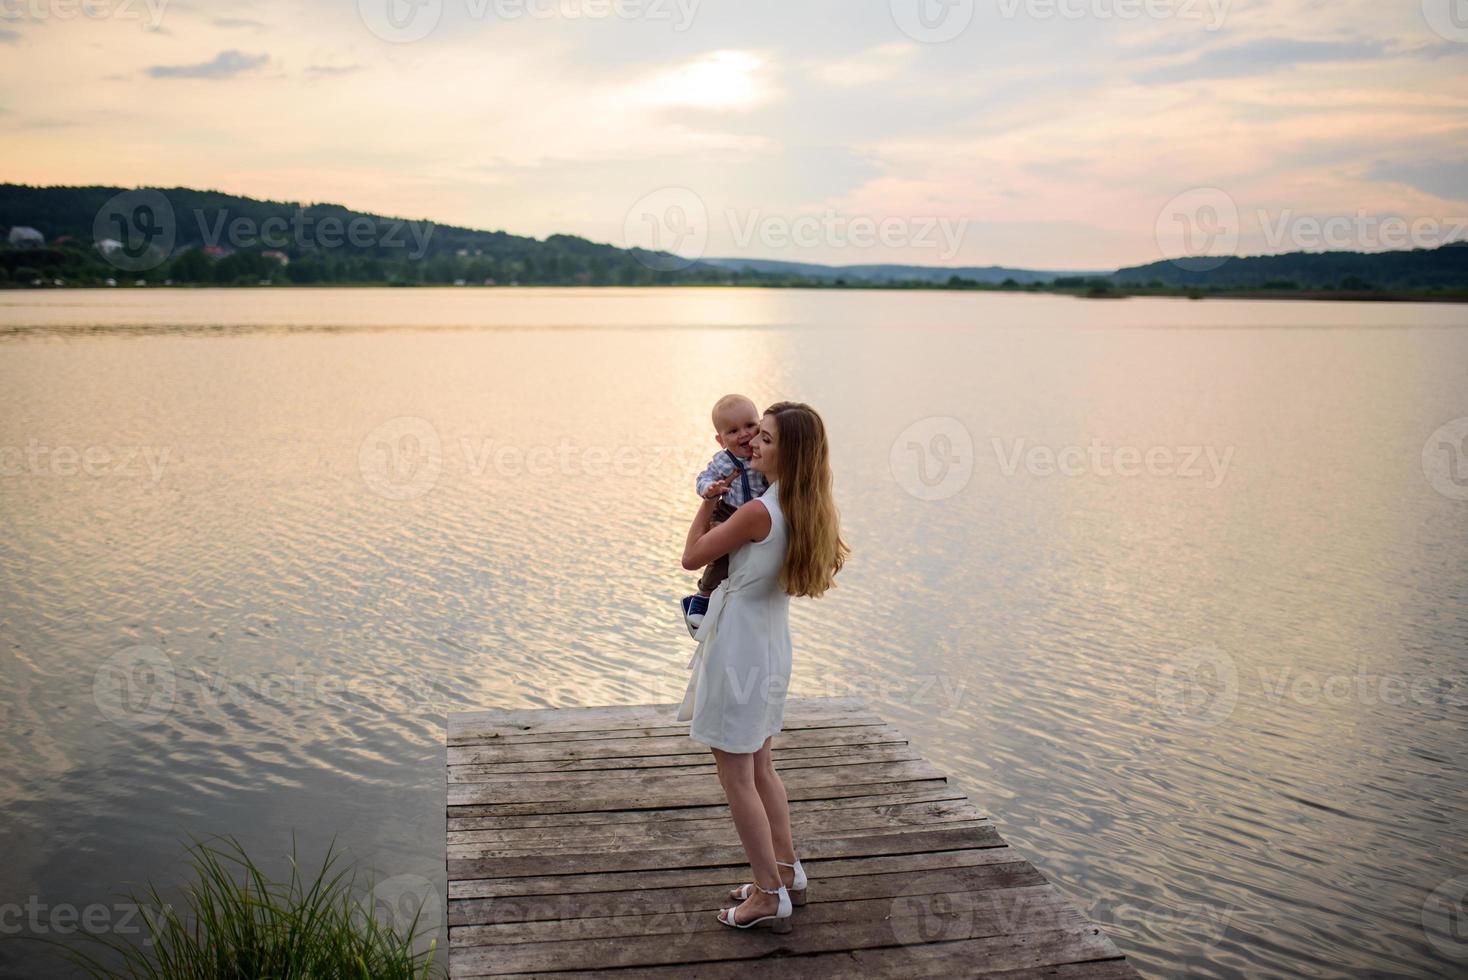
<point x="1049" y="135"/>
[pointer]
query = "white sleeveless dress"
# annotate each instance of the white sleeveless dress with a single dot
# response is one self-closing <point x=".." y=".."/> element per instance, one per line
<point x="741" y="669"/>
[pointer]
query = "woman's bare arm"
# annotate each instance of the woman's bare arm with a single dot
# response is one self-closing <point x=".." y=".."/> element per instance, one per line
<point x="750" y="522"/>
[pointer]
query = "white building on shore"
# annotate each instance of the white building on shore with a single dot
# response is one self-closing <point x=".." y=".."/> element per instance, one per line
<point x="26" y="237"/>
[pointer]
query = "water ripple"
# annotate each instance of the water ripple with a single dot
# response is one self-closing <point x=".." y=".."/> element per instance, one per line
<point x="319" y="632"/>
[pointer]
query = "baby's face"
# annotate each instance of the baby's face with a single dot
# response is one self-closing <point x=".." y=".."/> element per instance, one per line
<point x="736" y="428"/>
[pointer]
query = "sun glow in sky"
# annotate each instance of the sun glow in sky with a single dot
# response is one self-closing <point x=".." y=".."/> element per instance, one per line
<point x="1052" y="134"/>
<point x="720" y="80"/>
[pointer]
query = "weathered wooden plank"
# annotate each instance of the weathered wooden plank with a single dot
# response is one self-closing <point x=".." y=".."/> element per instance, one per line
<point x="491" y="850"/>
<point x="694" y="796"/>
<point x="945" y="960"/>
<point x="912" y="864"/>
<point x="1013" y="874"/>
<point x="985" y="951"/>
<point x="685" y="765"/>
<point x="1089" y="970"/>
<point x="542" y="789"/>
<point x="508" y="722"/>
<point x="674" y="730"/>
<point x="894" y="751"/>
<point x="989" y="912"/>
<point x="705" y="855"/>
<point x="803" y="823"/>
<point x="618" y="745"/>
<point x="571" y="822"/>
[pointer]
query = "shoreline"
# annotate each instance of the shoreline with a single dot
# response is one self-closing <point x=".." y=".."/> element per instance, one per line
<point x="1088" y="293"/>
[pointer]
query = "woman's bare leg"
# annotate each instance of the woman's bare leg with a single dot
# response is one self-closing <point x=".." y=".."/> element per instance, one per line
<point x="736" y="775"/>
<point x="771" y="791"/>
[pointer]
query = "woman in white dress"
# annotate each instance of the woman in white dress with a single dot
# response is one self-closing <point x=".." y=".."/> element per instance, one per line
<point x="786" y="542"/>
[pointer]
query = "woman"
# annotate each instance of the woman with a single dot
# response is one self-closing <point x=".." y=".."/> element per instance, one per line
<point x="786" y="542"/>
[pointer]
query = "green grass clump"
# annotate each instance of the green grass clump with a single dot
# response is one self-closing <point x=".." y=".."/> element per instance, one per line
<point x="236" y="924"/>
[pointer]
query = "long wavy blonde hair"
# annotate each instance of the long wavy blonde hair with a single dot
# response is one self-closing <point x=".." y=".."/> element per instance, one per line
<point x="814" y="551"/>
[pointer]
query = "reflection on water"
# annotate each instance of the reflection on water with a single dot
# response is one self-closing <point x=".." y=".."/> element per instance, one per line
<point x="305" y="524"/>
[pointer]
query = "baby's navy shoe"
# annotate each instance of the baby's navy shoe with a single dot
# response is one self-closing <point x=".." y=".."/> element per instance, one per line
<point x="694" y="606"/>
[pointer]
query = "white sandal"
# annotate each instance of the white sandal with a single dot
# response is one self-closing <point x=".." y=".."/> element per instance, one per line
<point x="779" y="922"/>
<point x="797" y="887"/>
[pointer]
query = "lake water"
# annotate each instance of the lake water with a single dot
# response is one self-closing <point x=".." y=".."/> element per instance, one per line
<point x="1178" y="590"/>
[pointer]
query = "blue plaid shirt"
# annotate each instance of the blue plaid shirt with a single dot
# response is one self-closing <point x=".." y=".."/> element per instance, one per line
<point x="725" y="463"/>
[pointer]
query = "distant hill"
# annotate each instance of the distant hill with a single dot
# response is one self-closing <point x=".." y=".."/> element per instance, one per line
<point x="1418" y="270"/>
<point x="82" y="236"/>
<point x="208" y="236"/>
<point x="894" y="273"/>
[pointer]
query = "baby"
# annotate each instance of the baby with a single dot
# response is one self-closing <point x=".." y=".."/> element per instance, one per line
<point x="736" y="423"/>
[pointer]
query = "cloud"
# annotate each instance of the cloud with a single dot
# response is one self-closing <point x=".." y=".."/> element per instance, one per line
<point x="226" y="64"/>
<point x="317" y="71"/>
<point x="719" y="80"/>
<point x="878" y="64"/>
<point x="47" y="123"/>
<point x="1320" y="106"/>
<point x="1441" y="178"/>
<point x="1263" y="57"/>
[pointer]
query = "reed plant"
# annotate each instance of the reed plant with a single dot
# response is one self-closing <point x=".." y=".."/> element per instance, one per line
<point x="235" y="923"/>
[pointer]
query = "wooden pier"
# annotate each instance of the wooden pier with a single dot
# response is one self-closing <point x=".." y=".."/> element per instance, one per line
<point x="597" y="840"/>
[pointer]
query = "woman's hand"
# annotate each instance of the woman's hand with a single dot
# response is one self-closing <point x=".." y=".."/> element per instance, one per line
<point x="749" y="523"/>
<point x="705" y="516"/>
